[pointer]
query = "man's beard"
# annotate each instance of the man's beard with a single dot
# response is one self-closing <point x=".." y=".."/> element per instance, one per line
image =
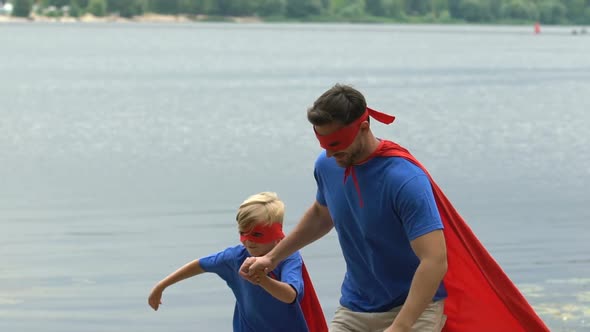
<point x="345" y="163"/>
<point x="351" y="158"/>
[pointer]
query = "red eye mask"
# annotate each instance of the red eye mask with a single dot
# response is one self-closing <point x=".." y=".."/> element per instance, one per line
<point x="343" y="137"/>
<point x="263" y="233"/>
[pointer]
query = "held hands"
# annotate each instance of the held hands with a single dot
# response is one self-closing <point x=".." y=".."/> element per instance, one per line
<point x="254" y="269"/>
<point x="253" y="276"/>
<point x="155" y="298"/>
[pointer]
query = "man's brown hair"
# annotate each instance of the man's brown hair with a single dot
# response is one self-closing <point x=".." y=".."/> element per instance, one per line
<point x="341" y="103"/>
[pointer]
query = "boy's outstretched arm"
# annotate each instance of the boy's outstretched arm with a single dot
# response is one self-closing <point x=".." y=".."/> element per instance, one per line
<point x="189" y="270"/>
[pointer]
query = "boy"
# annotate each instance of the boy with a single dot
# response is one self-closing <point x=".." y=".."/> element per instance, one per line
<point x="282" y="300"/>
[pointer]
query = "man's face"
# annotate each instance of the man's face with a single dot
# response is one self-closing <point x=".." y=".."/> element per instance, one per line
<point x="344" y="156"/>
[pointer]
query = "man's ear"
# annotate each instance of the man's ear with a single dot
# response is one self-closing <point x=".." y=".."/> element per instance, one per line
<point x="365" y="125"/>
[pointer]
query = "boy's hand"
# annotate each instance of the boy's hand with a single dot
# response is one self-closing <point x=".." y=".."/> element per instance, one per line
<point x="255" y="265"/>
<point x="245" y="268"/>
<point x="254" y="278"/>
<point x="155" y="298"/>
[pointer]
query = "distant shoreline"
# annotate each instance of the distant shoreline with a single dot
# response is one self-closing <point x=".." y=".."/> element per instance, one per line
<point x="160" y="18"/>
<point x="146" y="18"/>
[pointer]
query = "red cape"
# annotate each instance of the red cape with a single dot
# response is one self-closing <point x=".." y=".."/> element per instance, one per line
<point x="481" y="297"/>
<point x="310" y="305"/>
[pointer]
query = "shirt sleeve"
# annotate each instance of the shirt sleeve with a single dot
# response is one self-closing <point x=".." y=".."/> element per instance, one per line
<point x="291" y="273"/>
<point x="416" y="207"/>
<point x="220" y="263"/>
<point x="319" y="197"/>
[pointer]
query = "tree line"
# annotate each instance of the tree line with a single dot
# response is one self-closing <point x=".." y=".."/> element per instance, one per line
<point x="435" y="11"/>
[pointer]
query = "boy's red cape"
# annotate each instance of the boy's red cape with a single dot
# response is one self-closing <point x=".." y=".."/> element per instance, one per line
<point x="481" y="297"/>
<point x="310" y="305"/>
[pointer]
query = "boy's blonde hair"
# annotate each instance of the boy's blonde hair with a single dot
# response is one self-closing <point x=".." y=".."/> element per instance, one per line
<point x="264" y="207"/>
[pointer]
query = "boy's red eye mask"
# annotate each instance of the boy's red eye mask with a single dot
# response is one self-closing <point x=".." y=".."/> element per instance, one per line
<point x="343" y="137"/>
<point x="263" y="233"/>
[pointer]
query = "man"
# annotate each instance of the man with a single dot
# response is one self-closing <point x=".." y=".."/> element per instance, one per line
<point x="392" y="222"/>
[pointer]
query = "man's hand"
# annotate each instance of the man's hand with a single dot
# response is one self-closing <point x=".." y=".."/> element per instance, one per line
<point x="256" y="277"/>
<point x="395" y="328"/>
<point x="254" y="266"/>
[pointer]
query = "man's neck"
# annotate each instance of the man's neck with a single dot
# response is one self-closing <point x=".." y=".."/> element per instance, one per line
<point x="370" y="147"/>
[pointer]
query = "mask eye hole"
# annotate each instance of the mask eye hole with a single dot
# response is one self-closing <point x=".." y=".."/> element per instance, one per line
<point x="257" y="234"/>
<point x="333" y="144"/>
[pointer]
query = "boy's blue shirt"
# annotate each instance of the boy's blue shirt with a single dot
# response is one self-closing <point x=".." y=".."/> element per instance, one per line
<point x="256" y="310"/>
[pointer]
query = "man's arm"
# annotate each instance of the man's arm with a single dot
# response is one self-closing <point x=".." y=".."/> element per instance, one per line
<point x="315" y="223"/>
<point x="432" y="252"/>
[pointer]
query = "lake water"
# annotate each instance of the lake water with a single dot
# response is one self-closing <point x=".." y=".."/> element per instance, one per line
<point x="126" y="148"/>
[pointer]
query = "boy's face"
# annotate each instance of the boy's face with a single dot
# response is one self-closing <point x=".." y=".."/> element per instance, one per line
<point x="259" y="249"/>
<point x="261" y="238"/>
